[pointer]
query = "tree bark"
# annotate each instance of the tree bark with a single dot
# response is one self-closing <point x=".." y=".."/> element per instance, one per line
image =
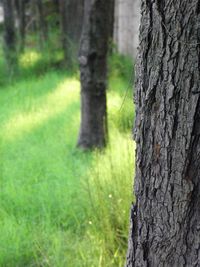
<point x="9" y="35"/>
<point x="93" y="68"/>
<point x="165" y="220"/>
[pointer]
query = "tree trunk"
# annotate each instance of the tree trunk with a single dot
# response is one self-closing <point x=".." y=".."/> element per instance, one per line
<point x="43" y="29"/>
<point x="56" y="4"/>
<point x="20" y="7"/>
<point x="71" y="27"/>
<point x="9" y="35"/>
<point x="126" y="28"/>
<point x="165" y="220"/>
<point x="93" y="68"/>
<point x="112" y="19"/>
<point x="64" y="36"/>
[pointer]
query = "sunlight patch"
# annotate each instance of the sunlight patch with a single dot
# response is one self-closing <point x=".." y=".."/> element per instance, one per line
<point x="114" y="101"/>
<point x="29" y="58"/>
<point x="54" y="103"/>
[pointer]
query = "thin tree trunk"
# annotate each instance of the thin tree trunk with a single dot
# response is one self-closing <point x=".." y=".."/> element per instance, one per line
<point x="20" y="6"/>
<point x="56" y="4"/>
<point x="93" y="68"/>
<point x="9" y="35"/>
<point x="71" y="27"/>
<point x="64" y="35"/>
<point x="112" y="18"/>
<point x="165" y="220"/>
<point x="43" y="28"/>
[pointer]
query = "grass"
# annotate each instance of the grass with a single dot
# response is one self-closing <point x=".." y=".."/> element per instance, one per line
<point x="60" y="206"/>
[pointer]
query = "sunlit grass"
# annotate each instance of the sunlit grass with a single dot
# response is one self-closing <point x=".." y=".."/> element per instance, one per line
<point x="59" y="206"/>
<point x="110" y="176"/>
<point x="54" y="103"/>
<point x="29" y="58"/>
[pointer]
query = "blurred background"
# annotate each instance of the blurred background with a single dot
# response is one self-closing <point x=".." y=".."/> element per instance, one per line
<point x="61" y="206"/>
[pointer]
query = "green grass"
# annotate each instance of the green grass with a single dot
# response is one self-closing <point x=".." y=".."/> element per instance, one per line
<point x="61" y="207"/>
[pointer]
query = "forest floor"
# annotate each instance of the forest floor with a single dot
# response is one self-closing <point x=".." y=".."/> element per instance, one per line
<point x="62" y="207"/>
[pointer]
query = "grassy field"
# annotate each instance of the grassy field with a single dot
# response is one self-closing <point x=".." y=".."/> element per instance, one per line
<point x="61" y="207"/>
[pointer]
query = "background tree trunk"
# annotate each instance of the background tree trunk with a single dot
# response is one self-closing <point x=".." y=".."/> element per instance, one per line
<point x="165" y="220"/>
<point x="42" y="24"/>
<point x="20" y="7"/>
<point x="93" y="68"/>
<point x="126" y="26"/>
<point x="9" y="35"/>
<point x="71" y="27"/>
<point x="64" y="36"/>
<point x="112" y="18"/>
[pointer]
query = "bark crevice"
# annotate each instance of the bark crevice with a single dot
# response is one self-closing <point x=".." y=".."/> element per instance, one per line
<point x="167" y="134"/>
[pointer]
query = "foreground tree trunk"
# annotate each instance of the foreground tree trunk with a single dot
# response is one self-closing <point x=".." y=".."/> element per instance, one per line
<point x="93" y="68"/>
<point x="165" y="220"/>
<point x="9" y="35"/>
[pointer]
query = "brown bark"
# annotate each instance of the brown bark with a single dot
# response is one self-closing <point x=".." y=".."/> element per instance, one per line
<point x="93" y="68"/>
<point x="165" y="220"/>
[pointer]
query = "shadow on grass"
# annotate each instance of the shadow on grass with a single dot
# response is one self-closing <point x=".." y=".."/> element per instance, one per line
<point x="41" y="176"/>
<point x="33" y="64"/>
<point x="60" y="206"/>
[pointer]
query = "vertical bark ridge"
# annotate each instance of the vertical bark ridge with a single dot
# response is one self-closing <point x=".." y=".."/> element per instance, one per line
<point x="166" y="227"/>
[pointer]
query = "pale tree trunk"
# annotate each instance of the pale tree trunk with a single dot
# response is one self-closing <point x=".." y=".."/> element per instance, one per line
<point x="126" y="28"/>
<point x="9" y="35"/>
<point x="93" y="68"/>
<point x="165" y="220"/>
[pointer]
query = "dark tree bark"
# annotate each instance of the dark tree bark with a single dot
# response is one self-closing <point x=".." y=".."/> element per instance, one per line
<point x="165" y="220"/>
<point x="71" y="27"/>
<point x="20" y="7"/>
<point x="9" y="35"/>
<point x="93" y="68"/>
<point x="43" y="28"/>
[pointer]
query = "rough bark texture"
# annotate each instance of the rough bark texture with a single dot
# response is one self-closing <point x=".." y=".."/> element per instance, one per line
<point x="165" y="220"/>
<point x="93" y="67"/>
<point x="71" y="26"/>
<point x="9" y="35"/>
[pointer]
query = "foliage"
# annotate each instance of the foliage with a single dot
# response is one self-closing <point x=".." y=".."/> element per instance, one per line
<point x="60" y="206"/>
<point x="123" y="66"/>
<point x="121" y="84"/>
